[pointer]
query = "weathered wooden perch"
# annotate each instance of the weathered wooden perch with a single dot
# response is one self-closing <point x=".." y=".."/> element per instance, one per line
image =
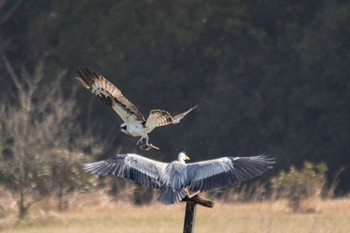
<point x="200" y="201"/>
<point x="190" y="214"/>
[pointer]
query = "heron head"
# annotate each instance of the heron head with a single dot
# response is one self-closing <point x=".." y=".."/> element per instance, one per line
<point x="182" y="157"/>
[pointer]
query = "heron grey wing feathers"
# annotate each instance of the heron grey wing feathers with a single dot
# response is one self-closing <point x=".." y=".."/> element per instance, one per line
<point x="109" y="94"/>
<point x="169" y="196"/>
<point x="174" y="179"/>
<point x="221" y="172"/>
<point x="137" y="168"/>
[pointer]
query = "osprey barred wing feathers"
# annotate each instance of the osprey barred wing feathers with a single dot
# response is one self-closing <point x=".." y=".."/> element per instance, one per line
<point x="109" y="94"/>
<point x="159" y="118"/>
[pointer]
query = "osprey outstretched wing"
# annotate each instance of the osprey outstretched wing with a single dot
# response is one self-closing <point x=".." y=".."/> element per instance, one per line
<point x="134" y="122"/>
<point x="159" y="118"/>
<point x="109" y="94"/>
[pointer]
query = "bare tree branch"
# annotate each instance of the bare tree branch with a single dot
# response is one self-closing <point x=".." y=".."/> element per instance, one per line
<point x="10" y="12"/>
<point x="12" y="73"/>
<point x="41" y="121"/>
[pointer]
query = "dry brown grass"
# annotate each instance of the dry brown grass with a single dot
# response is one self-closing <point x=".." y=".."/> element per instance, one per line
<point x="92" y="214"/>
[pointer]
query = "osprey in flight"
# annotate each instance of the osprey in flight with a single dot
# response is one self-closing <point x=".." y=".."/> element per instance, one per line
<point x="177" y="179"/>
<point x="134" y="122"/>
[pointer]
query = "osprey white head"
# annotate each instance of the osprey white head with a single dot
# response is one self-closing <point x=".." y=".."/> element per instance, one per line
<point x="124" y="128"/>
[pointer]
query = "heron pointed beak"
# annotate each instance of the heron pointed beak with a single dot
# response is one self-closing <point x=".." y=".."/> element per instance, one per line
<point x="186" y="157"/>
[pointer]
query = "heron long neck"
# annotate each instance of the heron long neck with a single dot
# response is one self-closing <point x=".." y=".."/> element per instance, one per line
<point x="182" y="161"/>
<point x="181" y="158"/>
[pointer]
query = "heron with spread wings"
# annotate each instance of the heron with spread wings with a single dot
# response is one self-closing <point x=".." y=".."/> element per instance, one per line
<point x="134" y="122"/>
<point x="177" y="179"/>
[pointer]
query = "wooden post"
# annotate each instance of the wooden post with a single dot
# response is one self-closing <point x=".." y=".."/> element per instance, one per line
<point x="190" y="214"/>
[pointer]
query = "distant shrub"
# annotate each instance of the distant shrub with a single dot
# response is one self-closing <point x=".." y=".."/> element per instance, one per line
<point x="296" y="185"/>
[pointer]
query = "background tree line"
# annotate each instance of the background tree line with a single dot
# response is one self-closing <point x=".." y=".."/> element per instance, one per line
<point x="268" y="76"/>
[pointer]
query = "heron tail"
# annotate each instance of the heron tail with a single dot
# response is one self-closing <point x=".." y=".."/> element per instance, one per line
<point x="169" y="196"/>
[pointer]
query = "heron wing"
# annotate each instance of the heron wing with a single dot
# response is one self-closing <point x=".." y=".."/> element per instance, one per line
<point x="109" y="94"/>
<point x="134" y="167"/>
<point x="159" y="118"/>
<point x="207" y="175"/>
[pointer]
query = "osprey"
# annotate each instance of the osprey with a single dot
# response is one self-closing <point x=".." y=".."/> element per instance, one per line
<point x="134" y="122"/>
<point x="177" y="179"/>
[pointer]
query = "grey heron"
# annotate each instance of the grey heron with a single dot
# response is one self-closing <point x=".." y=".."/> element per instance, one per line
<point x="177" y="179"/>
<point x="134" y="122"/>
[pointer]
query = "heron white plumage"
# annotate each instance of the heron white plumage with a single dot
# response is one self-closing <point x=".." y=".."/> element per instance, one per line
<point x="176" y="179"/>
<point x="134" y="122"/>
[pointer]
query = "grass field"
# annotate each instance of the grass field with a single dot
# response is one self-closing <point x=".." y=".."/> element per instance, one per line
<point x="96" y="213"/>
<point x="325" y="216"/>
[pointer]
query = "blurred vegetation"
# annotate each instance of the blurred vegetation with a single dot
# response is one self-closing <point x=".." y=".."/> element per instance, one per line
<point x="297" y="185"/>
<point x="268" y="76"/>
<point x="37" y="136"/>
